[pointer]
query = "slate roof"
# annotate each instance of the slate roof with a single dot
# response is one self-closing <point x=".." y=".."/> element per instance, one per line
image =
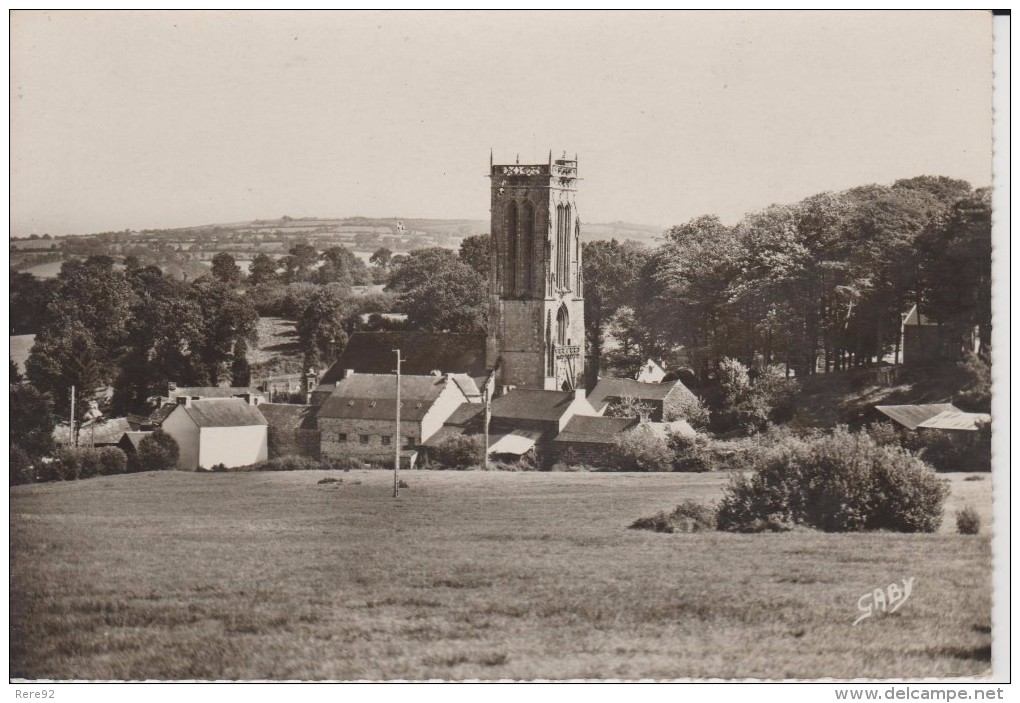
<point x="608" y="388"/>
<point x="950" y="420"/>
<point x="161" y="413"/>
<point x="283" y="416"/>
<point x="223" y="412"/>
<point x="107" y="431"/>
<point x="527" y="404"/>
<point x="373" y="397"/>
<point x="465" y="414"/>
<point x="910" y="416"/>
<point x="421" y="352"/>
<point x="135" y="438"/>
<point x="595" y="430"/>
<point x="212" y="391"/>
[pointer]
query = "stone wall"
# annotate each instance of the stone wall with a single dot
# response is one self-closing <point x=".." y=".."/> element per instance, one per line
<point x="334" y="445"/>
<point x="288" y="442"/>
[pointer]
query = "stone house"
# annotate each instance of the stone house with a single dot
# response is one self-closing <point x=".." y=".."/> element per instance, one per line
<point x="590" y="440"/>
<point x="293" y="429"/>
<point x="358" y="419"/>
<point x="211" y="431"/>
<point x="657" y="396"/>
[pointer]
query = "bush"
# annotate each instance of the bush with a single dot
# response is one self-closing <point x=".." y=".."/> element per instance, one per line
<point x="842" y="482"/>
<point x="112" y="461"/>
<point x="158" y="452"/>
<point x="944" y="450"/>
<point x="458" y="452"/>
<point x="684" y="405"/>
<point x="640" y="449"/>
<point x="571" y="467"/>
<point x="22" y="469"/>
<point x="692" y="453"/>
<point x="689" y="516"/>
<point x="968" y="522"/>
<point x="750" y="405"/>
<point x="301" y="463"/>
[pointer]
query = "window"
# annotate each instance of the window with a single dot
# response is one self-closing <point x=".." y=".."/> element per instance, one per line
<point x="386" y="440"/>
<point x="409" y="441"/>
<point x="363" y="438"/>
<point x="341" y="437"/>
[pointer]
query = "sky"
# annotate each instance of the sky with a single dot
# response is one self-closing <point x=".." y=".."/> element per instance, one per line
<point x="135" y="120"/>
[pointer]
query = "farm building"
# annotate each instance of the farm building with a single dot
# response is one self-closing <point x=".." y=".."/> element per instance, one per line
<point x="924" y="339"/>
<point x="590" y="440"/>
<point x="211" y="431"/>
<point x="657" y="396"/>
<point x="910" y="416"/>
<point x="358" y="419"/>
<point x="97" y="432"/>
<point x="293" y="429"/>
<point x="201" y="392"/>
<point x="651" y="372"/>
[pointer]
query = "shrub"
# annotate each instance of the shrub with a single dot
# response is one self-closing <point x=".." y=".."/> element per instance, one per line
<point x="22" y="469"/>
<point x="458" y="452"/>
<point x="571" y="467"/>
<point x="158" y="452"/>
<point x="842" y="482"/>
<point x="689" y="516"/>
<point x="692" y="453"/>
<point x="640" y="449"/>
<point x="968" y="522"/>
<point x="112" y="461"/>
<point x="684" y="405"/>
<point x="66" y="465"/>
<point x="300" y="463"/>
<point x="750" y="405"/>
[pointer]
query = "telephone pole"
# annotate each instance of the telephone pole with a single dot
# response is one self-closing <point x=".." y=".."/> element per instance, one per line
<point x="485" y="441"/>
<point x="396" y="452"/>
<point x="73" y="440"/>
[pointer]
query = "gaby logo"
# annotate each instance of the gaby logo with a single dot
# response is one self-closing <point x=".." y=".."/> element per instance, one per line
<point x="884" y="600"/>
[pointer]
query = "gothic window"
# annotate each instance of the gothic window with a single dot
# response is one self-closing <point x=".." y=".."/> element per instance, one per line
<point x="527" y="256"/>
<point x="550" y="363"/>
<point x="510" y="274"/>
<point x="562" y="326"/>
<point x="561" y="248"/>
<point x="577" y="258"/>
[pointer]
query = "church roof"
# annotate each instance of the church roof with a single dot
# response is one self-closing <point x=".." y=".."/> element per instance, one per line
<point x="421" y="352"/>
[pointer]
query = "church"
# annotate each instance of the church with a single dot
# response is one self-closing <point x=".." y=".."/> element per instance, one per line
<point x="527" y="370"/>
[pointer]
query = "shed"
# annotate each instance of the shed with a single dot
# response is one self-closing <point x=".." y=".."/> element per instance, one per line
<point x="910" y="416"/>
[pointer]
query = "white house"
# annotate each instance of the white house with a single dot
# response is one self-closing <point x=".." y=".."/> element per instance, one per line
<point x="652" y="372"/>
<point x="211" y="431"/>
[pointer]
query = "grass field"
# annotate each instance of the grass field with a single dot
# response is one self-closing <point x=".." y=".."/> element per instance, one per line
<point x="468" y="575"/>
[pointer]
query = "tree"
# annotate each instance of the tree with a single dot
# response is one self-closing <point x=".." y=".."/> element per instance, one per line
<point x="476" y="252"/>
<point x="439" y="293"/>
<point x="225" y="269"/>
<point x="628" y="406"/>
<point x="341" y="265"/>
<point x="322" y="324"/>
<point x="226" y="317"/>
<point x="610" y="272"/>
<point x="262" y="269"/>
<point x="69" y="356"/>
<point x="299" y="262"/>
<point x="240" y="369"/>
<point x="29" y="302"/>
<point x="751" y="404"/>
<point x="31" y="420"/>
<point x="157" y="452"/>
<point x="381" y="257"/>
<point x="631" y="347"/>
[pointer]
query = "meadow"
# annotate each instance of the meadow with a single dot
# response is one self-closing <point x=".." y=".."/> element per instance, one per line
<point x="468" y="575"/>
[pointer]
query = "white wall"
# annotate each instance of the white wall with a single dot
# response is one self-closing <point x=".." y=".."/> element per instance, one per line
<point x="449" y="400"/>
<point x="233" y="446"/>
<point x="183" y="429"/>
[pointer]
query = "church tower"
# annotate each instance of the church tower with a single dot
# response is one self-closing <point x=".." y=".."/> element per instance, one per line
<point x="536" y="304"/>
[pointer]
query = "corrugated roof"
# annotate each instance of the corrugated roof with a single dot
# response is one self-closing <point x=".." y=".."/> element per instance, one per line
<point x="224" y="412"/>
<point x="910" y="416"/>
<point x="609" y="388"/>
<point x="421" y="352"/>
<point x="950" y="420"/>
<point x="597" y="430"/>
<point x="373" y="397"/>
<point x="521" y="404"/>
<point x="518" y="442"/>
<point x="285" y="416"/>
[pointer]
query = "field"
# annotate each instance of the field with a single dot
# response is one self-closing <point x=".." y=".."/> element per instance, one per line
<point x="468" y="575"/>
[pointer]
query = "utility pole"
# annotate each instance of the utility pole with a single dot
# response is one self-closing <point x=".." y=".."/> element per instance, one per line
<point x="73" y="439"/>
<point x="485" y="441"/>
<point x="396" y="452"/>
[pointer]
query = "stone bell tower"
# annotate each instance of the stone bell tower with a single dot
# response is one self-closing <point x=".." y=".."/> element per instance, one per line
<point x="536" y="315"/>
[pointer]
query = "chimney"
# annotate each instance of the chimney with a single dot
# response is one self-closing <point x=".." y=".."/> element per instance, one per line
<point x="579" y="393"/>
<point x="250" y="398"/>
<point x="437" y="373"/>
<point x="348" y="373"/>
<point x="184" y="400"/>
<point x="171" y="385"/>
